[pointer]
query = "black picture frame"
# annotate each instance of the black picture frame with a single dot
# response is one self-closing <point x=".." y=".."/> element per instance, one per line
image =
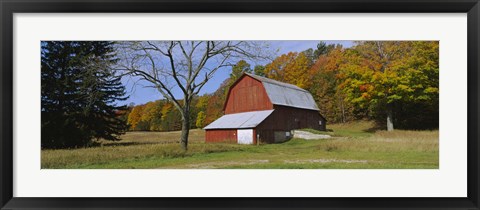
<point x="9" y="7"/>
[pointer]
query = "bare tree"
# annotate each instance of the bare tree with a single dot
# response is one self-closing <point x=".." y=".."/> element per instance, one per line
<point x="180" y="69"/>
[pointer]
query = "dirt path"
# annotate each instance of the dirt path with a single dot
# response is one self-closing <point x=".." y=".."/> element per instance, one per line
<point x="309" y="136"/>
<point x="223" y="164"/>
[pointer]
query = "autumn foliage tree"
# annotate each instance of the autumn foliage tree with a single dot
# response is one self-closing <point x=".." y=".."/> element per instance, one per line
<point x="290" y="68"/>
<point x="159" y="115"/>
<point x="325" y="80"/>
<point x="200" y="122"/>
<point x="135" y="116"/>
<point x="216" y="101"/>
<point x="381" y="76"/>
<point x="201" y="107"/>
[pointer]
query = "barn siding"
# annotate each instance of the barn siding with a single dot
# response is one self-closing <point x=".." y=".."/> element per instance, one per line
<point x="266" y="136"/>
<point x="289" y="118"/>
<point x="247" y="95"/>
<point x="283" y="119"/>
<point x="229" y="135"/>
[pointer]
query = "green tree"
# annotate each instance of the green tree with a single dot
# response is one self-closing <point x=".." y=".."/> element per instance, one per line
<point x="79" y="91"/>
<point x="238" y="69"/>
<point x="259" y="70"/>
<point x="323" y="49"/>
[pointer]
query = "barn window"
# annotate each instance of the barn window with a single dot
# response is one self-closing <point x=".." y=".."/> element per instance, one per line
<point x="320" y="122"/>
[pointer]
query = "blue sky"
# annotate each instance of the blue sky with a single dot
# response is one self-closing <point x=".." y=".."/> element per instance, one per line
<point x="138" y="94"/>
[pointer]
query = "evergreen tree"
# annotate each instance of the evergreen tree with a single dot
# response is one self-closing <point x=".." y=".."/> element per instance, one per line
<point x="79" y="91"/>
<point x="322" y="49"/>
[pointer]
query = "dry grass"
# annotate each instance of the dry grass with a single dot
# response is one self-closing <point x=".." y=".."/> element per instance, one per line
<point x="355" y="145"/>
<point x="353" y="126"/>
<point x="383" y="141"/>
<point x="134" y="145"/>
<point x="143" y="137"/>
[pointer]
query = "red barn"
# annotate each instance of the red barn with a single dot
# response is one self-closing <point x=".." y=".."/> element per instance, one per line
<point x="258" y="108"/>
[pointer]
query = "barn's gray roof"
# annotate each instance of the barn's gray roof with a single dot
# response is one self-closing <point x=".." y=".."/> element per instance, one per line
<point x="286" y="94"/>
<point x="239" y="120"/>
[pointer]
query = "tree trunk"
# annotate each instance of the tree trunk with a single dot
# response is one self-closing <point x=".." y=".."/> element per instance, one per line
<point x="389" y="120"/>
<point x="185" y="128"/>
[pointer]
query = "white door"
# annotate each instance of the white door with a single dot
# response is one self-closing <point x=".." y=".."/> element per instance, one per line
<point x="245" y="136"/>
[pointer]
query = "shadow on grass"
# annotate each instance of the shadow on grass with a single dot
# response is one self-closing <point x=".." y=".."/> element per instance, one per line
<point x="123" y="144"/>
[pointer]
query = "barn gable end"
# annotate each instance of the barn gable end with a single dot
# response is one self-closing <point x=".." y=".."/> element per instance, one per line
<point x="247" y="94"/>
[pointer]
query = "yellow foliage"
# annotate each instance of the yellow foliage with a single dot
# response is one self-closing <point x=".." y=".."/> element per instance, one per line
<point x="167" y="107"/>
<point x="291" y="68"/>
<point x="151" y="110"/>
<point x="135" y="116"/>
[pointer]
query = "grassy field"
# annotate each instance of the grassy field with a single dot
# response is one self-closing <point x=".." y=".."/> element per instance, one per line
<point x="353" y="146"/>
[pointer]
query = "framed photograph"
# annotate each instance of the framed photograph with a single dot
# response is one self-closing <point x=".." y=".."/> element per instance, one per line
<point x="239" y="105"/>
